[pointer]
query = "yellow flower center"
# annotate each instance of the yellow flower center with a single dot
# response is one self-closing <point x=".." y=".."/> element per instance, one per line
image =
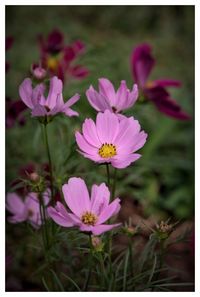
<point x="52" y="63"/>
<point x="107" y="150"/>
<point x="149" y="84"/>
<point x="89" y="218"/>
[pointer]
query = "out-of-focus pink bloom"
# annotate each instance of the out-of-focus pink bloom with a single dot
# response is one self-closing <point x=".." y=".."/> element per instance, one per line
<point x="142" y="64"/>
<point x="38" y="72"/>
<point x="34" y="98"/>
<point x="89" y="214"/>
<point x="107" y="98"/>
<point x="14" y="112"/>
<point x="27" y="210"/>
<point x="111" y="140"/>
<point x="9" y="43"/>
<point x="58" y="58"/>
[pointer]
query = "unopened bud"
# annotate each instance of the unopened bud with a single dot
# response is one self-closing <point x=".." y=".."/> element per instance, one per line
<point x="34" y="177"/>
<point x="38" y="72"/>
<point x="97" y="244"/>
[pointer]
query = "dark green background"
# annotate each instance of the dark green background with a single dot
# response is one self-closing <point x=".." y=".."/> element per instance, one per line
<point x="163" y="179"/>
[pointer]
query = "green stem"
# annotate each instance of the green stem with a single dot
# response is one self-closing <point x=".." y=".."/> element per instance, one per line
<point x="49" y="158"/>
<point x="90" y="266"/>
<point x="114" y="184"/>
<point x="108" y="174"/>
<point x="102" y="271"/>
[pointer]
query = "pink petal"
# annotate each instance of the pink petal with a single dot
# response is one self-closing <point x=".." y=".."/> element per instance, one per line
<point x="139" y="141"/>
<point x="95" y="158"/>
<point x="59" y="218"/>
<point x="132" y="97"/>
<point x="14" y="203"/>
<point x="124" y="161"/>
<point x="71" y="113"/>
<point x="107" y="124"/>
<point x="38" y="95"/>
<point x="128" y="128"/>
<point x="111" y="210"/>
<point x="99" y="229"/>
<point x="76" y="196"/>
<point x="38" y="111"/>
<point x="72" y="101"/>
<point x="90" y="133"/>
<point x="96" y="100"/>
<point x="107" y="90"/>
<point x="100" y="196"/>
<point x="25" y="92"/>
<point x="54" y="90"/>
<point x="121" y="96"/>
<point x="84" y="145"/>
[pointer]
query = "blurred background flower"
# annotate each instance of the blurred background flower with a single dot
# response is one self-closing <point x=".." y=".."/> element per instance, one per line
<point x="161" y="183"/>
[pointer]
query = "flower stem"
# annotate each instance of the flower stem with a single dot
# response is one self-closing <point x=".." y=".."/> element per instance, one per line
<point x="49" y="158"/>
<point x="108" y="174"/>
<point x="114" y="184"/>
<point x="90" y="266"/>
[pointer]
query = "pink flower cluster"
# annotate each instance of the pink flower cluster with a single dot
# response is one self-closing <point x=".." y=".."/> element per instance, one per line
<point x="27" y="209"/>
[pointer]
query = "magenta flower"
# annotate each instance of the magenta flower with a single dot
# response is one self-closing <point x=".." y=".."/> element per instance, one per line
<point x="142" y="64"/>
<point x="58" y="58"/>
<point x="34" y="98"/>
<point x="27" y="210"/>
<point x="88" y="214"/>
<point x="111" y="140"/>
<point x="107" y="98"/>
<point x="15" y="112"/>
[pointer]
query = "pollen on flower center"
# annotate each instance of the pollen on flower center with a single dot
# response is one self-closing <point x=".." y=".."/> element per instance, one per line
<point x="107" y="150"/>
<point x="52" y="63"/>
<point x="89" y="218"/>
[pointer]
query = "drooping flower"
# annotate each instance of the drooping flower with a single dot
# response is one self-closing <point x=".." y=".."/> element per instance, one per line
<point x="88" y="214"/>
<point x="142" y="64"/>
<point x="27" y="210"/>
<point x="15" y="112"/>
<point x="111" y="140"/>
<point x="58" y="58"/>
<point x="107" y="98"/>
<point x="34" y="98"/>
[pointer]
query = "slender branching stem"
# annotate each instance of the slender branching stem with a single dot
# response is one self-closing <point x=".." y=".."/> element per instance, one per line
<point x="49" y="159"/>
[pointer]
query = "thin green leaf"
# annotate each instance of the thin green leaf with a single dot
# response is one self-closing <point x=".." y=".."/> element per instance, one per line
<point x="57" y="280"/>
<point x="45" y="285"/>
<point x="72" y="281"/>
<point x="125" y="270"/>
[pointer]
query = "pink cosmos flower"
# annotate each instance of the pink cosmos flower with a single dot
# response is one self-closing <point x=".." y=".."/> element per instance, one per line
<point x="88" y="214"/>
<point x="107" y="98"/>
<point x="111" y="140"/>
<point x="58" y="58"/>
<point x="34" y="98"/>
<point x="27" y="210"/>
<point x="142" y="64"/>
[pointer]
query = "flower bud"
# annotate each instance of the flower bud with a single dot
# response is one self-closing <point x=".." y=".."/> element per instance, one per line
<point x="97" y="244"/>
<point x="38" y="72"/>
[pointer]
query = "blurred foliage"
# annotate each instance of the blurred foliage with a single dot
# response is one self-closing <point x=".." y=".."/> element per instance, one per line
<point x="163" y="178"/>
